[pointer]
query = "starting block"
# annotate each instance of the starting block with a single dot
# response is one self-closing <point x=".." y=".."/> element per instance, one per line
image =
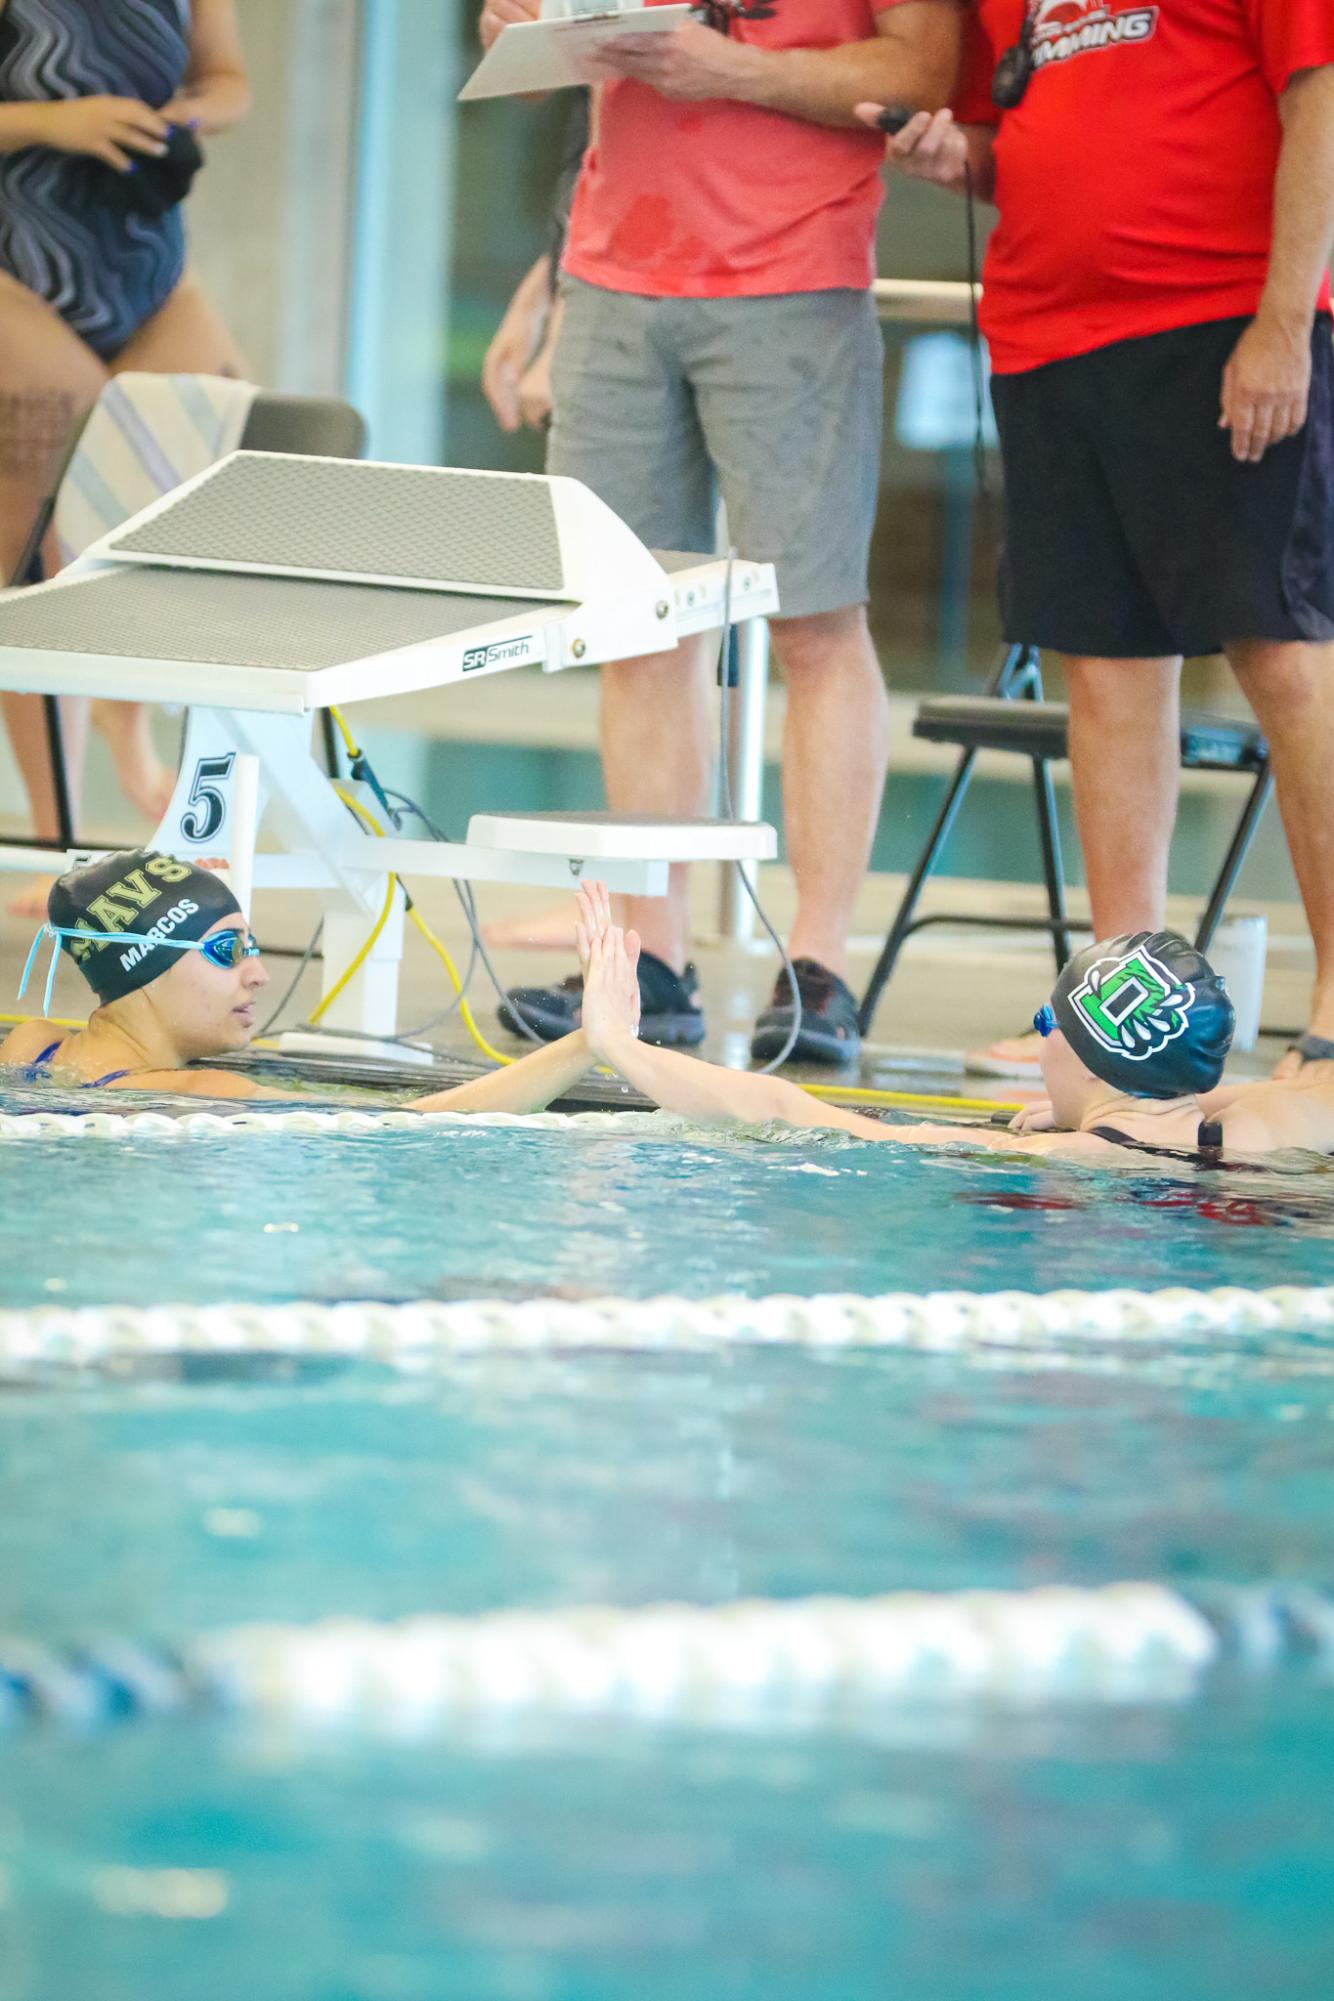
<point x="270" y="587"/>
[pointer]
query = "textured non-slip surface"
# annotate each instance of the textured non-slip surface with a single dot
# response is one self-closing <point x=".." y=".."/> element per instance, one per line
<point x="491" y="531"/>
<point x="239" y="621"/>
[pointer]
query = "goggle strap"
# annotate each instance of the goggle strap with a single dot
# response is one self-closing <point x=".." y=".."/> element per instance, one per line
<point x="51" y="977"/>
<point x="33" y="950"/>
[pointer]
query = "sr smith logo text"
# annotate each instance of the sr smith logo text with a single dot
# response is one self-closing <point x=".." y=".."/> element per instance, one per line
<point x="1067" y="28"/>
<point x="505" y="653"/>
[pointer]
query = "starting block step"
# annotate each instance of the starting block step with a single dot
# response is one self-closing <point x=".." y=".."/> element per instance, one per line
<point x="624" y="837"/>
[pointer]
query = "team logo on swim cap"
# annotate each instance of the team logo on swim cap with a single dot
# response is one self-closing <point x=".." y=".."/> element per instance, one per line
<point x="1132" y="1006"/>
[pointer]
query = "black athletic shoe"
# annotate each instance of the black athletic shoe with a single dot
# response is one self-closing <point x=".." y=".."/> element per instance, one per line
<point x="829" y="1032"/>
<point x="670" y="1015"/>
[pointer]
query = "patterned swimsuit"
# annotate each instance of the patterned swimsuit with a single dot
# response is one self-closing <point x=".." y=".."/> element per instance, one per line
<point x="104" y="271"/>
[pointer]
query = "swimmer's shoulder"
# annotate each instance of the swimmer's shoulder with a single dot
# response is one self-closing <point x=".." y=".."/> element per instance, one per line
<point x="31" y="1039"/>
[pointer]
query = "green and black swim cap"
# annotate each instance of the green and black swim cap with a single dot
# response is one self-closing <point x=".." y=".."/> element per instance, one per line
<point x="1146" y="1014"/>
<point x="135" y="890"/>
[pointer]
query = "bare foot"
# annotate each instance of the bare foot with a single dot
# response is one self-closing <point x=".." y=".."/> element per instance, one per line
<point x="142" y="776"/>
<point x="1013" y="1056"/>
<point x="534" y="931"/>
<point x="30" y="901"/>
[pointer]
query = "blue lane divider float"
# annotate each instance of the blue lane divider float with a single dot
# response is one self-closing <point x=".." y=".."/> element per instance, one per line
<point x="754" y="1662"/>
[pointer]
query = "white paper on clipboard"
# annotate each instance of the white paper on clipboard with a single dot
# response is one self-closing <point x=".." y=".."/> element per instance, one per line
<point x="531" y="56"/>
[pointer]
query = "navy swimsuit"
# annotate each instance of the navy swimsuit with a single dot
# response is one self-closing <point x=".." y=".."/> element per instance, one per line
<point x="41" y="1067"/>
<point x="104" y="269"/>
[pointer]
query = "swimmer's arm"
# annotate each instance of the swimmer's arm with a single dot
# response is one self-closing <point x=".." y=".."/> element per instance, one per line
<point x="715" y="1096"/>
<point x="526" y="1086"/>
<point x="24" y="1044"/>
<point x="707" y="1092"/>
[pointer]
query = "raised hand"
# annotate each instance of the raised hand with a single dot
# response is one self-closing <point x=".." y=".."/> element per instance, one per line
<point x="609" y="961"/>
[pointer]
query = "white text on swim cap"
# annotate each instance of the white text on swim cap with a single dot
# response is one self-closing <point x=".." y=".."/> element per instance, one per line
<point x="162" y="929"/>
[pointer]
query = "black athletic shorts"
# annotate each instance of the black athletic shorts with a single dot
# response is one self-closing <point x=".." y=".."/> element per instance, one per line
<point x="1132" y="532"/>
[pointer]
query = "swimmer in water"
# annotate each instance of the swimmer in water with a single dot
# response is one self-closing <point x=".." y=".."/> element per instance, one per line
<point x="1134" y="1040"/>
<point x="176" y="974"/>
<point x="1135" y="1035"/>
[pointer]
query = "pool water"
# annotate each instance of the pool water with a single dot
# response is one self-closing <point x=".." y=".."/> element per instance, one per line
<point x="1179" y="1850"/>
<point x="474" y="1211"/>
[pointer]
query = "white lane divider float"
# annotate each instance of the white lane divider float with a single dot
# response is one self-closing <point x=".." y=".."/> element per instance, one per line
<point x="307" y="1121"/>
<point x="418" y="1333"/>
<point x="689" y="1663"/>
<point x="808" y="1661"/>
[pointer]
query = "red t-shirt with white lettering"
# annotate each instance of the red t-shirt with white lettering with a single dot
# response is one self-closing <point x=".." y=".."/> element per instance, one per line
<point x="725" y="200"/>
<point x="1135" y="179"/>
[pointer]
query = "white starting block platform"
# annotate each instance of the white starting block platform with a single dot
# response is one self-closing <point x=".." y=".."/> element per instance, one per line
<point x="270" y="587"/>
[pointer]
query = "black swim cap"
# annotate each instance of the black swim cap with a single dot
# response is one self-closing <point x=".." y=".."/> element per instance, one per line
<point x="1147" y="1014"/>
<point x="138" y="890"/>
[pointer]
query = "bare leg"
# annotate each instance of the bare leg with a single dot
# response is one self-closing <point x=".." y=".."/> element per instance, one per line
<point x="657" y="757"/>
<point x="1290" y="686"/>
<point x="835" y="750"/>
<point x="1125" y="765"/>
<point x="48" y="382"/>
<point x="1125" y="768"/>
<point x="186" y="336"/>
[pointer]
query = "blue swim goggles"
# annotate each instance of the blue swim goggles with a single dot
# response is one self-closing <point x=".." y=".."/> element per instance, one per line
<point x="224" y="949"/>
<point x="1045" y="1020"/>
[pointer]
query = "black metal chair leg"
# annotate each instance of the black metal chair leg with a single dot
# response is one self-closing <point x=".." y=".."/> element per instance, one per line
<point x="1049" y="834"/>
<point x="926" y="861"/>
<point x="55" y="738"/>
<point x="1251" y="815"/>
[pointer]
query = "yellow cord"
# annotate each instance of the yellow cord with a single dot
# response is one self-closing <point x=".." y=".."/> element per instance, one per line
<point x="834" y="1093"/>
<point x="466" y="1015"/>
<point x="349" y="972"/>
<point x="840" y="1094"/>
<point x="350" y="744"/>
<point x="465" y="1012"/>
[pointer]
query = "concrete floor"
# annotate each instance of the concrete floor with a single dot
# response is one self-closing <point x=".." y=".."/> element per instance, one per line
<point x="954" y="988"/>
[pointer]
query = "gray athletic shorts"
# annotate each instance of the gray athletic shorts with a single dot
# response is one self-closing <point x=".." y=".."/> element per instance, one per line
<point x="660" y="404"/>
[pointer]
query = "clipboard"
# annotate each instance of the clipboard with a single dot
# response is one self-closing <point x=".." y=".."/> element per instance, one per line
<point x="553" y="53"/>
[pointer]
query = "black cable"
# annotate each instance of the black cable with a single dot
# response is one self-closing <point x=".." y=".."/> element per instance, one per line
<point x="975" y="332"/>
<point x="468" y="904"/>
<point x="295" y="981"/>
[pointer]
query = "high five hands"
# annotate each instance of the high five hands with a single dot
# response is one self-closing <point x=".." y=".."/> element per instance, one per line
<point x="609" y="962"/>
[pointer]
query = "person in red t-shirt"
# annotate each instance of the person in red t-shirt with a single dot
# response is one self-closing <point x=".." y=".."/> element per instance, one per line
<point x="1156" y="300"/>
<point x="719" y="334"/>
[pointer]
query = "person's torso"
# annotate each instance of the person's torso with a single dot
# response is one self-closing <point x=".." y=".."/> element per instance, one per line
<point x="93" y="48"/>
<point x="718" y="198"/>
<point x="1135" y="179"/>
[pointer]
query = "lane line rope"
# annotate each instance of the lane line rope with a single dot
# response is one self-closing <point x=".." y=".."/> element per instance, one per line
<point x="811" y="1660"/>
<point x="416" y="1333"/>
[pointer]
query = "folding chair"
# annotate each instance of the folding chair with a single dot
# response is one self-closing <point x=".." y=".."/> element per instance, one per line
<point x="1012" y="716"/>
<point x="315" y="426"/>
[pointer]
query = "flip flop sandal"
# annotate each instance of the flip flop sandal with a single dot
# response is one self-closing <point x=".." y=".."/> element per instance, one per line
<point x="1312" y="1049"/>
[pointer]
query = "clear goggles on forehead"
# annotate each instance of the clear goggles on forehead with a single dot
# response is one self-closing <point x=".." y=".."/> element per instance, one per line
<point x="224" y="949"/>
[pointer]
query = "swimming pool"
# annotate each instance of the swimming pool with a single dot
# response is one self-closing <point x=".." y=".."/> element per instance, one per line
<point x="1166" y="1839"/>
